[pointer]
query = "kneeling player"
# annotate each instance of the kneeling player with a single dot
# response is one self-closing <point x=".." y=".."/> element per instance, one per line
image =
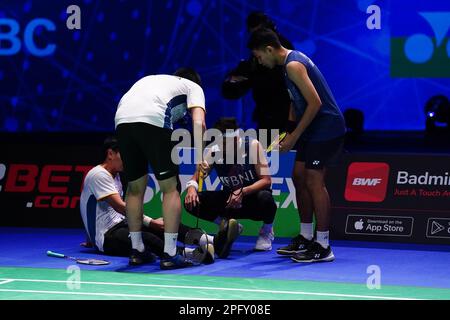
<point x="246" y="190"/>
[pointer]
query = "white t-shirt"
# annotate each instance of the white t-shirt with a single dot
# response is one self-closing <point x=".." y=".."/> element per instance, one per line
<point x="159" y="100"/>
<point x="98" y="216"/>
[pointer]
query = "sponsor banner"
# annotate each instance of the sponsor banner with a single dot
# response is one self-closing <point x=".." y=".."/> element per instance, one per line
<point x="374" y="197"/>
<point x="391" y="226"/>
<point x="40" y="186"/>
<point x="394" y="181"/>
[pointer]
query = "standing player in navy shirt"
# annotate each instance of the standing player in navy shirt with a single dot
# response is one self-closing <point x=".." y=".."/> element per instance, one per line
<point x="316" y="131"/>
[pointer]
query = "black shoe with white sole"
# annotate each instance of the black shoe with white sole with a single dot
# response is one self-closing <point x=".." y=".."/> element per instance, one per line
<point x="298" y="244"/>
<point x="314" y="253"/>
<point x="137" y="258"/>
<point x="227" y="234"/>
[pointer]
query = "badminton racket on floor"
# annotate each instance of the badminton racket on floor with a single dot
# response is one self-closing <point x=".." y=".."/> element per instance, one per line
<point x="95" y="262"/>
<point x="202" y="253"/>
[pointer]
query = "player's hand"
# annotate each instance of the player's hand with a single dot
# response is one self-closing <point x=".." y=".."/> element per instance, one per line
<point x="87" y="244"/>
<point x="191" y="200"/>
<point x="288" y="143"/>
<point x="235" y="201"/>
<point x="204" y="168"/>
<point x="157" y="224"/>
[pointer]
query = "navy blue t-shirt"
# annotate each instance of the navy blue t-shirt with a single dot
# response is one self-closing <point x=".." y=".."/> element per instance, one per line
<point x="329" y="122"/>
<point x="235" y="176"/>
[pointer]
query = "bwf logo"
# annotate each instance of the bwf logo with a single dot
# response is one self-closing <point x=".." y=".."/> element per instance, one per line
<point x="367" y="181"/>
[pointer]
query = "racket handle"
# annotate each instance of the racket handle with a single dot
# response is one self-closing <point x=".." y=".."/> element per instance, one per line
<point x="200" y="182"/>
<point x="54" y="254"/>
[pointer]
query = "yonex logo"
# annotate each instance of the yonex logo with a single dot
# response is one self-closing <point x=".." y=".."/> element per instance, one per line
<point x="421" y="47"/>
<point x="367" y="181"/>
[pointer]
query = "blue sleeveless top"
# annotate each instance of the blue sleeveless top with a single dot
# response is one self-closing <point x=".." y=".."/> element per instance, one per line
<point x="329" y="122"/>
<point x="234" y="176"/>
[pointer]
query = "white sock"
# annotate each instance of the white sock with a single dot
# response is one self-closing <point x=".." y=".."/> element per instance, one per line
<point x="306" y="230"/>
<point x="136" y="241"/>
<point x="323" y="238"/>
<point x="206" y="238"/>
<point x="170" y="243"/>
<point x="267" y="228"/>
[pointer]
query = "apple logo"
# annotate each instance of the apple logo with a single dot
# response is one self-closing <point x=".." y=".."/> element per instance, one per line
<point x="359" y="225"/>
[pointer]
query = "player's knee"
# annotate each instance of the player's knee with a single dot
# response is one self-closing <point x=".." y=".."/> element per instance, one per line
<point x="299" y="181"/>
<point x="135" y="189"/>
<point x="168" y="185"/>
<point x="265" y="199"/>
<point x="314" y="183"/>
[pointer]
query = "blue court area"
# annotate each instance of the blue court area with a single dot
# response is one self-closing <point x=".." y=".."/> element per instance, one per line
<point x="400" y="264"/>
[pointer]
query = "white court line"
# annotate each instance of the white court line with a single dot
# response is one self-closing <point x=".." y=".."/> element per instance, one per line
<point x="101" y="294"/>
<point x="6" y="281"/>
<point x="222" y="289"/>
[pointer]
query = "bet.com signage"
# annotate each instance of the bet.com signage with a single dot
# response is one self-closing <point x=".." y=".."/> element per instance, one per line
<point x="44" y="186"/>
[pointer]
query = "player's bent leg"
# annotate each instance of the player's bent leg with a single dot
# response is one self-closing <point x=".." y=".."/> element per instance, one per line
<point x="267" y="209"/>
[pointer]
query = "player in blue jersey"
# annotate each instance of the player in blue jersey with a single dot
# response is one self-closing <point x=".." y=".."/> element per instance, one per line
<point x="246" y="190"/>
<point x="316" y="131"/>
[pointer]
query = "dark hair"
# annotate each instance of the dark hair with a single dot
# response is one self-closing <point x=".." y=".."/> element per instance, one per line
<point x="262" y="38"/>
<point x="225" y="123"/>
<point x="190" y="74"/>
<point x="109" y="143"/>
<point x="259" y="19"/>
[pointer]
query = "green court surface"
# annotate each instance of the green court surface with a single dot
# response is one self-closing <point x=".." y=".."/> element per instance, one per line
<point x="59" y="284"/>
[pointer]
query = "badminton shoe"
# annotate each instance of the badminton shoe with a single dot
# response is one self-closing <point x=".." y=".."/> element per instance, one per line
<point x="138" y="258"/>
<point x="314" y="253"/>
<point x="298" y="244"/>
<point x="264" y="241"/>
<point x="227" y="234"/>
<point x="178" y="261"/>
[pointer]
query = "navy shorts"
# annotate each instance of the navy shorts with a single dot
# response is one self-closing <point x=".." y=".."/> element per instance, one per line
<point x="320" y="154"/>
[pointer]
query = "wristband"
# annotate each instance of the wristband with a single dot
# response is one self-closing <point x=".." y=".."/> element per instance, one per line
<point x="146" y="220"/>
<point x="192" y="183"/>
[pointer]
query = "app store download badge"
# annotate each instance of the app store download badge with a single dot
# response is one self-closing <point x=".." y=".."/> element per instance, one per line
<point x="420" y="39"/>
<point x="374" y="225"/>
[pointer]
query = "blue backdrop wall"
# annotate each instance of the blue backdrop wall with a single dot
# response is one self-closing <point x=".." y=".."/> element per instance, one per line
<point x="75" y="84"/>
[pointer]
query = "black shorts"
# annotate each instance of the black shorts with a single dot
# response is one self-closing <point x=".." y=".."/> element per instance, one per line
<point x="320" y="154"/>
<point x="258" y="206"/>
<point x="141" y="144"/>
